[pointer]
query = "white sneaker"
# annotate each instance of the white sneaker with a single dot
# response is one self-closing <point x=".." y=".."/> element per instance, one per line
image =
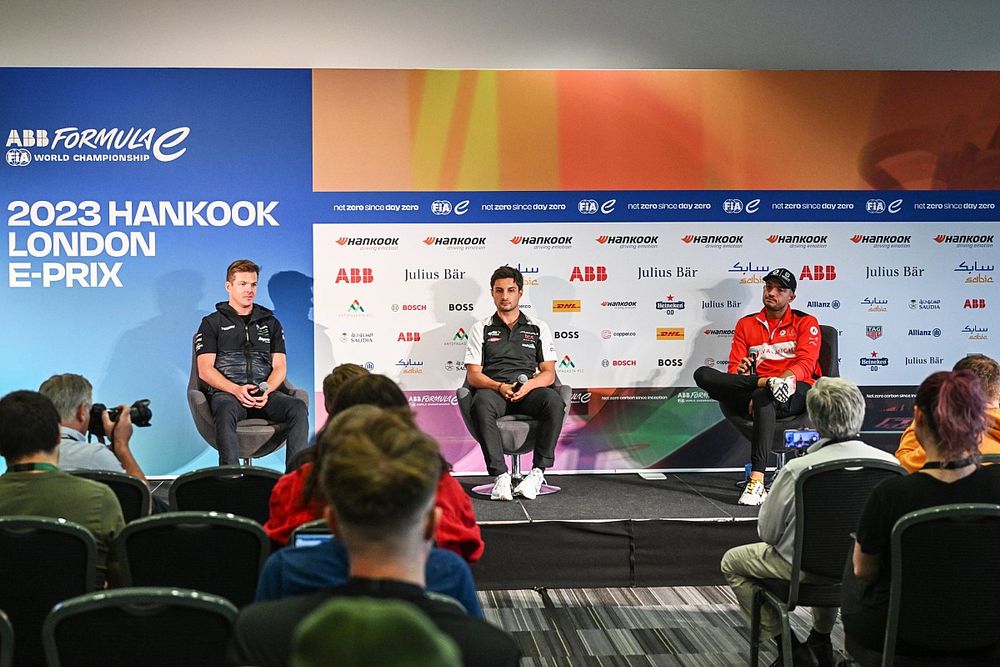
<point x="754" y="493"/>
<point x="781" y="388"/>
<point x="531" y="484"/>
<point x="501" y="488"/>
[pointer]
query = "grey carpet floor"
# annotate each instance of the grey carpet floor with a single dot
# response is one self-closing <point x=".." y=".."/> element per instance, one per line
<point x="680" y="626"/>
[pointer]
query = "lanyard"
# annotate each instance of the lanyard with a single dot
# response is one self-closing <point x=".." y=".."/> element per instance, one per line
<point x="28" y="467"/>
<point x="948" y="465"/>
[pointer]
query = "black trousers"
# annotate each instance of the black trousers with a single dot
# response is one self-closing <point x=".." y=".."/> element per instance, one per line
<point x="227" y="410"/>
<point x="737" y="391"/>
<point x="544" y="404"/>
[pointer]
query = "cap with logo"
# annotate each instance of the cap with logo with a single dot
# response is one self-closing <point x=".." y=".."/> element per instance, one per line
<point x="783" y="276"/>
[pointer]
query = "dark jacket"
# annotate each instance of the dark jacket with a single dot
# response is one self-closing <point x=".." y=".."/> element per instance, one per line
<point x="242" y="350"/>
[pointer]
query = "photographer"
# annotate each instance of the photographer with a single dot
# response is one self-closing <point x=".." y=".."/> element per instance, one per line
<point x="72" y="396"/>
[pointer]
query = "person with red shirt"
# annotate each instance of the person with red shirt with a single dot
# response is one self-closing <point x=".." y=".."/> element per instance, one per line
<point x="773" y="361"/>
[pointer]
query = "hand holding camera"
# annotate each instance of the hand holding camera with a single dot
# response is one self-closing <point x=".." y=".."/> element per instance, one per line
<point x="104" y="420"/>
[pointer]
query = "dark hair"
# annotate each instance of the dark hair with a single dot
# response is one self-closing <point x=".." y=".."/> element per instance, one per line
<point x="337" y="378"/>
<point x="241" y="266"/>
<point x="507" y="272"/>
<point x="986" y="369"/>
<point x="377" y="390"/>
<point x="29" y="423"/>
<point x="378" y="470"/>
<point x="952" y="404"/>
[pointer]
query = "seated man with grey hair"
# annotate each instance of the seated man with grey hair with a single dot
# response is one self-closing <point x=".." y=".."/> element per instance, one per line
<point x="837" y="409"/>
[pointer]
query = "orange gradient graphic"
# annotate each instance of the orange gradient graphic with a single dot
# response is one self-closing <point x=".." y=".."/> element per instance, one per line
<point x="428" y="130"/>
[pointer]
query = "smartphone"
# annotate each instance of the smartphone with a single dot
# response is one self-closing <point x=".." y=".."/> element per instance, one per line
<point x="800" y="438"/>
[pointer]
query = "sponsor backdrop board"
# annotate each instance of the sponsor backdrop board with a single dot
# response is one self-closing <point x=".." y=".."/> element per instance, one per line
<point x="636" y="308"/>
<point x="125" y="193"/>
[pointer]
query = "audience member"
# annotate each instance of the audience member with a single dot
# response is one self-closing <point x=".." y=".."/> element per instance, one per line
<point x="363" y="631"/>
<point x="34" y="485"/>
<point x="837" y="408"/>
<point x="912" y="456"/>
<point x="949" y="423"/>
<point x="297" y="498"/>
<point x="379" y="474"/>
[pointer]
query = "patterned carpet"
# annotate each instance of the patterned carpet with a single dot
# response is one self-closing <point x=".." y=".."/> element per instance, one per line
<point x="682" y="626"/>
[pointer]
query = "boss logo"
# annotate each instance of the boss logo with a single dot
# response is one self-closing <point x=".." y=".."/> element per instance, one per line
<point x="670" y="362"/>
<point x="459" y="307"/>
<point x="567" y="334"/>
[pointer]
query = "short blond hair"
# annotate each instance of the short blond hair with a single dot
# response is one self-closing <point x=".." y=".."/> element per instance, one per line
<point x="241" y="266"/>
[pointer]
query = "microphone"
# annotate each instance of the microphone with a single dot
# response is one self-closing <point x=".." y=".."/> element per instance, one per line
<point x="753" y="363"/>
<point x="521" y="379"/>
<point x="260" y="389"/>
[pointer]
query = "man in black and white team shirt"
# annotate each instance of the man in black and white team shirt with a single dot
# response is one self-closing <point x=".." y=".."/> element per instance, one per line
<point x="503" y="347"/>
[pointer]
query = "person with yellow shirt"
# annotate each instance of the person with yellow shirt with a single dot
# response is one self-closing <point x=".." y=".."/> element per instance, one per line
<point x="912" y="456"/>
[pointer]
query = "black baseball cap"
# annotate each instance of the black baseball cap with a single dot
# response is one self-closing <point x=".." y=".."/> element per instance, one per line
<point x="783" y="276"/>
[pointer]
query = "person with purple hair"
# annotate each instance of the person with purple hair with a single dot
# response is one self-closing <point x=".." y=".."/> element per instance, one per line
<point x="949" y="422"/>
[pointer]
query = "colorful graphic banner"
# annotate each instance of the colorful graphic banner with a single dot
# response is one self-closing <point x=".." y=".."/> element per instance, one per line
<point x="126" y="192"/>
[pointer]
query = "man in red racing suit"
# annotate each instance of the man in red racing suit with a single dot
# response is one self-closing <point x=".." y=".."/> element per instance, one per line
<point x="773" y="362"/>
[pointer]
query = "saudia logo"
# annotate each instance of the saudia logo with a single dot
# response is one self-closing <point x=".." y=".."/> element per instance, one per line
<point x="165" y="146"/>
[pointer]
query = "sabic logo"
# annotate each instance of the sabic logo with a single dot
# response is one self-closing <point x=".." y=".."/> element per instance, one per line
<point x="460" y="307"/>
<point x="873" y="331"/>
<point x="378" y="241"/>
<point x="976" y="304"/>
<point x="566" y="306"/>
<point x="670" y="363"/>
<point x="589" y="274"/>
<point x="874" y="361"/>
<point x="670" y="333"/>
<point x="408" y="337"/>
<point x="565" y="334"/>
<point x="354" y="276"/>
<point x="818" y="272"/>
<point x="460" y="335"/>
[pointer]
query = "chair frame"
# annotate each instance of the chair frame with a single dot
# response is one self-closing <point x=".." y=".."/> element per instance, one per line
<point x="115" y="480"/>
<point x="214" y="472"/>
<point x="6" y="641"/>
<point x="79" y="531"/>
<point x="465" y="394"/>
<point x="939" y="513"/>
<point x="819" y="594"/>
<point x="270" y="435"/>
<point x="143" y="595"/>
<point x="155" y="522"/>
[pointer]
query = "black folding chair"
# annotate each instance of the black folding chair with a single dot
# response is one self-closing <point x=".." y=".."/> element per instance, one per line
<point x="42" y="561"/>
<point x="240" y="490"/>
<point x="944" y="599"/>
<point x="139" y="626"/>
<point x="829" y="498"/>
<point x="206" y="551"/>
<point x="132" y="492"/>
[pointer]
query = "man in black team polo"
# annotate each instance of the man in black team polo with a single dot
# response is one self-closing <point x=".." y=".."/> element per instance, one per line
<point x="503" y="347"/>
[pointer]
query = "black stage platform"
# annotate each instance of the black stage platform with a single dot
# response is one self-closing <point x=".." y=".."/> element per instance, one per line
<point x="613" y="530"/>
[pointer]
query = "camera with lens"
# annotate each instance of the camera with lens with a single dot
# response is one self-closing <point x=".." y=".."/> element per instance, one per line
<point x="140" y="413"/>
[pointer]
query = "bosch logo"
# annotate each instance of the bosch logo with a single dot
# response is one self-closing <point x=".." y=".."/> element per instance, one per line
<point x="460" y="307"/>
<point x="409" y="307"/>
<point x="624" y="362"/>
<point x="354" y="276"/>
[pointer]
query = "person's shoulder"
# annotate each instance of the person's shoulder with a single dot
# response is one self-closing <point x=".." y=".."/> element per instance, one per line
<point x="804" y="317"/>
<point x="749" y="318"/>
<point x="537" y="321"/>
<point x="266" y="611"/>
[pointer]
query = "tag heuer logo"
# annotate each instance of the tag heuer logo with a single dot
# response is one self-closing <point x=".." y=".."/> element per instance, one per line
<point x="874" y="332"/>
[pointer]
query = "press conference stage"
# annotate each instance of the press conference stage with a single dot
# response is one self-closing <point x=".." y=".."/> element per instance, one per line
<point x="613" y="530"/>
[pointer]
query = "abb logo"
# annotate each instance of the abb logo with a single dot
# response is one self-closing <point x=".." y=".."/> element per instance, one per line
<point x="408" y="337"/>
<point x="818" y="272"/>
<point x="975" y="303"/>
<point x="589" y="274"/>
<point x="354" y="276"/>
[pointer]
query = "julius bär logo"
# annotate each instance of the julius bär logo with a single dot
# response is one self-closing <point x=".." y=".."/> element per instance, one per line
<point x="354" y="276"/>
